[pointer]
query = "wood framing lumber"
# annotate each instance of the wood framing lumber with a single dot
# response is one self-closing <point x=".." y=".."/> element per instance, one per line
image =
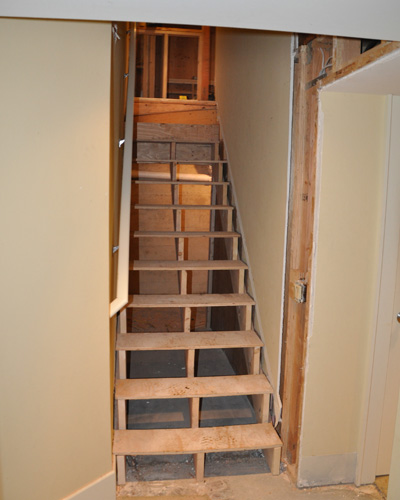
<point x="183" y="340"/>
<point x="191" y="300"/>
<point x="198" y="440"/>
<point x="192" y="387"/>
<point x="188" y="265"/>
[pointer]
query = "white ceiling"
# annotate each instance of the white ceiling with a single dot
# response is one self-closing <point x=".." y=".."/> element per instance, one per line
<point x="381" y="77"/>
<point x="379" y="19"/>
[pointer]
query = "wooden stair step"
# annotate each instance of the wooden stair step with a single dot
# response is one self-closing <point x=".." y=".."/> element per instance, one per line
<point x="180" y="162"/>
<point x="182" y="207"/>
<point x="191" y="387"/>
<point x="186" y="265"/>
<point x="182" y="183"/>
<point x="195" y="440"/>
<point x="191" y="300"/>
<point x="185" y="234"/>
<point x="171" y="341"/>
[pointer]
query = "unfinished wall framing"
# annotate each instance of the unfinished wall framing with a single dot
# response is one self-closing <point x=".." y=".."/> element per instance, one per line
<point x="313" y="70"/>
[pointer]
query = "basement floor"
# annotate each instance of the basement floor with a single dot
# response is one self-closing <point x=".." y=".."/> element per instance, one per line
<point x="247" y="487"/>
<point x="230" y="476"/>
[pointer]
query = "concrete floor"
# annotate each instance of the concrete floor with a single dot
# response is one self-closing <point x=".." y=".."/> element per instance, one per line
<point x="231" y="476"/>
<point x="247" y="487"/>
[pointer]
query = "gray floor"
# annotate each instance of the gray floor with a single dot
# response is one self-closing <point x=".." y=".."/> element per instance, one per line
<point x="248" y="487"/>
<point x="229" y="476"/>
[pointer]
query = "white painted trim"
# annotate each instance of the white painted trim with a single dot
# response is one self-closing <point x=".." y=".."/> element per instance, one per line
<point x="103" y="488"/>
<point x="326" y="469"/>
<point x="377" y="370"/>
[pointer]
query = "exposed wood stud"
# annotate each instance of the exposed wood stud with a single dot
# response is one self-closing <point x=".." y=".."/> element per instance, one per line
<point x="165" y="67"/>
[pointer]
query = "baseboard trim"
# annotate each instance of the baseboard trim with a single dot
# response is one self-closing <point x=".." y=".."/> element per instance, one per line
<point x="327" y="469"/>
<point x="103" y="488"/>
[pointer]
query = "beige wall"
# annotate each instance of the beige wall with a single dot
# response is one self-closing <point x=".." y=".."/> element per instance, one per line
<point x="54" y="202"/>
<point x="345" y="287"/>
<point x="253" y="72"/>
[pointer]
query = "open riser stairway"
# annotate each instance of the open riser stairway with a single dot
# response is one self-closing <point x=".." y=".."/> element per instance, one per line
<point x="186" y="339"/>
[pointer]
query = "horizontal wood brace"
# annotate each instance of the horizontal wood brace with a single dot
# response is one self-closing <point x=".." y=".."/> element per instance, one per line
<point x="191" y="387"/>
<point x="179" y="162"/>
<point x="188" y="265"/>
<point x="191" y="300"/>
<point x="182" y="207"/>
<point x="181" y="183"/>
<point x="185" y="234"/>
<point x="187" y="340"/>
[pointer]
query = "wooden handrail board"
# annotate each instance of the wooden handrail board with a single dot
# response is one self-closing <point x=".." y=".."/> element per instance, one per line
<point x="182" y="207"/>
<point x="173" y="132"/>
<point x="192" y="387"/>
<point x="165" y="341"/>
<point x="185" y="234"/>
<point x="196" y="440"/>
<point x="188" y="265"/>
<point x="181" y="183"/>
<point x="191" y="300"/>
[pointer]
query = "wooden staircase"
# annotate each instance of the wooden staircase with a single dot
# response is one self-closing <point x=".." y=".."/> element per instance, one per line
<point x="184" y="251"/>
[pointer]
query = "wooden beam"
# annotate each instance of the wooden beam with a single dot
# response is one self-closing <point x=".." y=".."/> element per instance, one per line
<point x="204" y="54"/>
<point x="152" y="66"/>
<point x="165" y="67"/>
<point x="300" y="237"/>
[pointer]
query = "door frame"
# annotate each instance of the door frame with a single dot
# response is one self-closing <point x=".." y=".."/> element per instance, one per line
<point x="379" y="348"/>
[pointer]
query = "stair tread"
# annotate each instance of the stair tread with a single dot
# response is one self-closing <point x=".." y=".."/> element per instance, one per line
<point x="172" y="265"/>
<point x="186" y="234"/>
<point x="181" y="162"/>
<point x="193" y="387"/>
<point x="195" y="440"/>
<point x="142" y="206"/>
<point x="191" y="300"/>
<point x="187" y="340"/>
<point x="182" y="183"/>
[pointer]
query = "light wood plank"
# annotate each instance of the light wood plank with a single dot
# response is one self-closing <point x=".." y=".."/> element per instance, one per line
<point x="182" y="207"/>
<point x="186" y="234"/>
<point x="182" y="183"/>
<point x="192" y="300"/>
<point x="146" y="161"/>
<point x="200" y="440"/>
<point x="165" y="341"/>
<point x="191" y="387"/>
<point x="167" y="132"/>
<point x="189" y="265"/>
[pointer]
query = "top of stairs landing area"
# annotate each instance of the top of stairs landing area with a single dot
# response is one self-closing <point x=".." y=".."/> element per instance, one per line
<point x="178" y="111"/>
